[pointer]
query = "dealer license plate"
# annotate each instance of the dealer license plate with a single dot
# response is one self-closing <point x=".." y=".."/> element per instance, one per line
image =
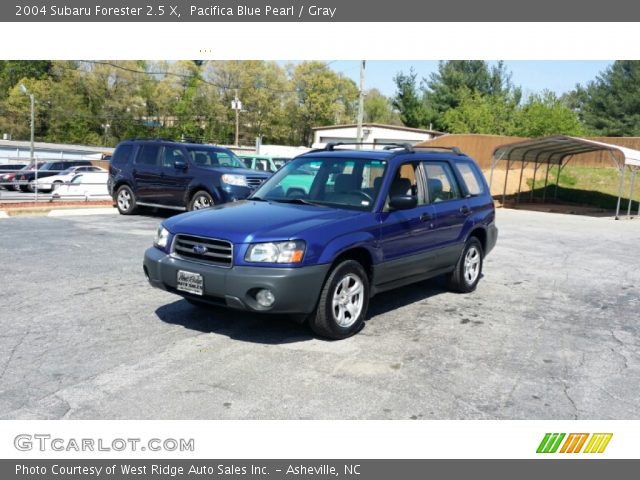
<point x="190" y="282"/>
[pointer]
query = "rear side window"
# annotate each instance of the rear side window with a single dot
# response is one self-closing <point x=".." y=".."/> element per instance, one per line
<point x="441" y="184"/>
<point x="148" y="155"/>
<point x="121" y="155"/>
<point x="470" y="175"/>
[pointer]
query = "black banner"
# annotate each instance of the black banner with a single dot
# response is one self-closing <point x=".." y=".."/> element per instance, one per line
<point x="319" y="11"/>
<point x="317" y="469"/>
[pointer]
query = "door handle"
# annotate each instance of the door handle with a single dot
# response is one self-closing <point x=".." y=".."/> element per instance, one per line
<point x="465" y="210"/>
<point x="425" y="217"/>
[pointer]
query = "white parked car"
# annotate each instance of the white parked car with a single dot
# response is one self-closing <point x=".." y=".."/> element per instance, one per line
<point x="53" y="182"/>
<point x="84" y="186"/>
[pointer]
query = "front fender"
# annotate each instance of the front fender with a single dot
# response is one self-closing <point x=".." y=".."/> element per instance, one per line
<point x="341" y="244"/>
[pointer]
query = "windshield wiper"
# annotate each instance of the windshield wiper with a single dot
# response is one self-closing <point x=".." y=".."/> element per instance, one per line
<point x="298" y="201"/>
<point x="257" y="199"/>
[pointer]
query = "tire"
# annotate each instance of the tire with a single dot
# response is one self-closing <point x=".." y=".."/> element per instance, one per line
<point x="468" y="271"/>
<point x="55" y="185"/>
<point x="201" y="199"/>
<point x="343" y="302"/>
<point x="126" y="200"/>
<point x="24" y="188"/>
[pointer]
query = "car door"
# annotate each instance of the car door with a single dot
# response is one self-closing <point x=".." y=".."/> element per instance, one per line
<point x="174" y="180"/>
<point x="146" y="172"/>
<point x="405" y="235"/>
<point x="450" y="207"/>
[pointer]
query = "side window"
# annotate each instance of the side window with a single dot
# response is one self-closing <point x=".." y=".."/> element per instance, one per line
<point x="405" y="182"/>
<point x="148" y="155"/>
<point x="121" y="155"/>
<point x="441" y="184"/>
<point x="475" y="185"/>
<point x="171" y="155"/>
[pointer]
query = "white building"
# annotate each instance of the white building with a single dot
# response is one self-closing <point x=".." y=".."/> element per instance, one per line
<point x="371" y="133"/>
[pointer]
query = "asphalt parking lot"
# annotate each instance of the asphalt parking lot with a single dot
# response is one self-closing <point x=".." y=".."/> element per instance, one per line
<point x="552" y="332"/>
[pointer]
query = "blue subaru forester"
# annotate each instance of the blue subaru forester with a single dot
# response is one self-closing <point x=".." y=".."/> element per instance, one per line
<point x="330" y="230"/>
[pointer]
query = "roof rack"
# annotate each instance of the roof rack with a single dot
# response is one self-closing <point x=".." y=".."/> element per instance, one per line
<point x="391" y="146"/>
<point x="455" y="150"/>
<point x="387" y="146"/>
<point x="150" y="139"/>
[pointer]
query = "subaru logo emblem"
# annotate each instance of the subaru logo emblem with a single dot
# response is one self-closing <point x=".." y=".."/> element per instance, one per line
<point x="199" y="249"/>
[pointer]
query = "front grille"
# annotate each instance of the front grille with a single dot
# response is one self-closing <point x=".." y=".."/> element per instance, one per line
<point x="202" y="249"/>
<point x="255" y="182"/>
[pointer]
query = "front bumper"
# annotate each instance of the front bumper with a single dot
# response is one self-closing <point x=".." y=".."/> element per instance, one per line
<point x="296" y="290"/>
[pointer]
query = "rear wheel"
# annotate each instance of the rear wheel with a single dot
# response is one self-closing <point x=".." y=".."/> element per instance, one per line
<point x="200" y="200"/>
<point x="343" y="302"/>
<point x="126" y="200"/>
<point x="468" y="270"/>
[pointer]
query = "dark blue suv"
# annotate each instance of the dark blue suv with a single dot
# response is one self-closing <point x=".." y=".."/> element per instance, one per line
<point x="330" y="230"/>
<point x="178" y="176"/>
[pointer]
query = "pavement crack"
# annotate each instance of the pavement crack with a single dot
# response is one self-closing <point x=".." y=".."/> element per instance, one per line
<point x="13" y="352"/>
<point x="565" y="388"/>
<point x="619" y="353"/>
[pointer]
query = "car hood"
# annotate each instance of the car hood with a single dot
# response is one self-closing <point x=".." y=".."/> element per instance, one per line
<point x="238" y="171"/>
<point x="256" y="221"/>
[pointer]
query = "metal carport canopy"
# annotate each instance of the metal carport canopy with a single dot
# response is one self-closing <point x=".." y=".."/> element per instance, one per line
<point x="555" y="149"/>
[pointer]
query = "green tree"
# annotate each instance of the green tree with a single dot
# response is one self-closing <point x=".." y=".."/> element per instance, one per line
<point x="445" y="89"/>
<point x="407" y="100"/>
<point x="262" y="88"/>
<point x="378" y="109"/>
<point x="610" y="105"/>
<point x="322" y="98"/>
<point x="545" y="114"/>
<point x="483" y="114"/>
<point x="12" y="71"/>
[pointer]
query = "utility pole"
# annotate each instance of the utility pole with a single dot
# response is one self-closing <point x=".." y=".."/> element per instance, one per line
<point x="236" y="104"/>
<point x="360" y="105"/>
<point x="24" y="90"/>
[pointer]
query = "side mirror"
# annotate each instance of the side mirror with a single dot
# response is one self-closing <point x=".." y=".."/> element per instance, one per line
<point x="403" y="202"/>
<point x="180" y="165"/>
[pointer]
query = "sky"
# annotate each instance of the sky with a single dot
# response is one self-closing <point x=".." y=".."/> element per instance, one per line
<point x="558" y="76"/>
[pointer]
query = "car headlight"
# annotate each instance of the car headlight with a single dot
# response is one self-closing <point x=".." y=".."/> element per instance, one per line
<point x="233" y="179"/>
<point x="276" y="252"/>
<point x="162" y="236"/>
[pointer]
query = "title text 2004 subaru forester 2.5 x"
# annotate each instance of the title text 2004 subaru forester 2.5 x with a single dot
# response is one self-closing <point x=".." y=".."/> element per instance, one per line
<point x="330" y="230"/>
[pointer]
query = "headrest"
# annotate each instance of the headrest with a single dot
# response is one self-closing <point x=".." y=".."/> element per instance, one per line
<point x="400" y="186"/>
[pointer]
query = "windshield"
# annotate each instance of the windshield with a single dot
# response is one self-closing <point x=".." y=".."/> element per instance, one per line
<point x="338" y="182"/>
<point x="208" y="157"/>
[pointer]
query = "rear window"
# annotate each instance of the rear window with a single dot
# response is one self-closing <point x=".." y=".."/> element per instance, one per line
<point x="122" y="154"/>
<point x="470" y="175"/>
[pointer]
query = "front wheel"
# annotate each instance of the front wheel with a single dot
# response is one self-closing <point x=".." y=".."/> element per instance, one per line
<point x="468" y="271"/>
<point x="343" y="302"/>
<point x="200" y="200"/>
<point x="126" y="200"/>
